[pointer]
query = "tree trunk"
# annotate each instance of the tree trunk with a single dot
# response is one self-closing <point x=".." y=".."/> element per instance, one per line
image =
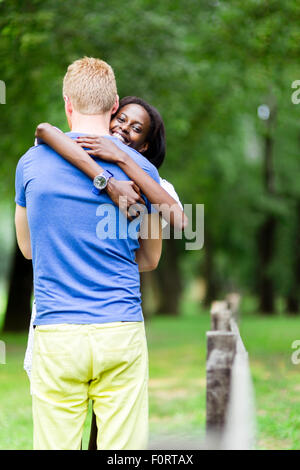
<point x="212" y="285"/>
<point x="266" y="233"/>
<point x="150" y="293"/>
<point x="18" y="310"/>
<point x="266" y="239"/>
<point x="169" y="279"/>
<point x="293" y="304"/>
<point x="293" y="299"/>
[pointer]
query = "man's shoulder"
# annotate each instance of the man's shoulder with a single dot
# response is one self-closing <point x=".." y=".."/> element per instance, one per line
<point x="34" y="153"/>
<point x="138" y="156"/>
<point x="26" y="157"/>
<point x="142" y="161"/>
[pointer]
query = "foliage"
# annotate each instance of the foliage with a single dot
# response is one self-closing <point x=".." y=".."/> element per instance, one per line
<point x="207" y="65"/>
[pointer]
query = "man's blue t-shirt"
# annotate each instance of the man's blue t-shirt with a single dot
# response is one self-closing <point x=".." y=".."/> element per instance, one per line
<point x="83" y="247"/>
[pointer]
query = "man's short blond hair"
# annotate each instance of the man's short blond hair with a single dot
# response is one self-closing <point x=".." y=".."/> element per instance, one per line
<point x="90" y="85"/>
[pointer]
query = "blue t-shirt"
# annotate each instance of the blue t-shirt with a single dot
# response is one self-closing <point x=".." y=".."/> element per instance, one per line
<point x="83" y="247"/>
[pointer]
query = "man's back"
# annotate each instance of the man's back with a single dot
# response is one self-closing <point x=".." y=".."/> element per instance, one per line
<point x="81" y="274"/>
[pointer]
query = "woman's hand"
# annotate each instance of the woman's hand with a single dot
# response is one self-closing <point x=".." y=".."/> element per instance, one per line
<point x="124" y="194"/>
<point x="101" y="147"/>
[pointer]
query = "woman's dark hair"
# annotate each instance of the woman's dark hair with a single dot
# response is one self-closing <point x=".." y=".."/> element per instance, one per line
<point x="156" y="136"/>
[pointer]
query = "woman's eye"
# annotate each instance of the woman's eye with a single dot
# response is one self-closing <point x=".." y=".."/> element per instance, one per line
<point x="120" y="119"/>
<point x="137" y="129"/>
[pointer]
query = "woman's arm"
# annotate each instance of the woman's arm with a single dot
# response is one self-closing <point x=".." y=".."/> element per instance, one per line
<point x="148" y="255"/>
<point x="78" y="157"/>
<point x="22" y="231"/>
<point x="68" y="149"/>
<point x="158" y="196"/>
<point x="107" y="150"/>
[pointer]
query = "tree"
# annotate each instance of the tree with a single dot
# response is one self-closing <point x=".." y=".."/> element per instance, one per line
<point x="206" y="66"/>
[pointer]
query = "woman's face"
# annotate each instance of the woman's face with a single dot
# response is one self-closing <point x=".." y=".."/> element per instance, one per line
<point x="131" y="125"/>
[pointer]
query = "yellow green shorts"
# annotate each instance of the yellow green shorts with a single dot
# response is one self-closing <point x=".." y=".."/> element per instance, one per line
<point x="107" y="363"/>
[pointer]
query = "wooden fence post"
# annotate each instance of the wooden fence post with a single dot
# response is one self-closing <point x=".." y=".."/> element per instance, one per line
<point x="230" y="408"/>
<point x="221" y="346"/>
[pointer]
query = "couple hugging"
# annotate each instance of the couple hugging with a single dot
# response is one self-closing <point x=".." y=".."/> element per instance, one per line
<point x="87" y="337"/>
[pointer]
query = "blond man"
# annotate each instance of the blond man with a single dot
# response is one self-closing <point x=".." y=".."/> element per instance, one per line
<point x="89" y="337"/>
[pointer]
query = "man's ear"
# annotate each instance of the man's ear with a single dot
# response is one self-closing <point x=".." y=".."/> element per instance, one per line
<point x="68" y="106"/>
<point x="68" y="110"/>
<point x="115" y="106"/>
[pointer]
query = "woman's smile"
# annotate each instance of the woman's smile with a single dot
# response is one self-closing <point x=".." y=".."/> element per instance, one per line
<point x="121" y="136"/>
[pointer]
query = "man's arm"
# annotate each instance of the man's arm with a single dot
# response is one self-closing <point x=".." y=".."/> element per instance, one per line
<point x="148" y="255"/>
<point x="22" y="231"/>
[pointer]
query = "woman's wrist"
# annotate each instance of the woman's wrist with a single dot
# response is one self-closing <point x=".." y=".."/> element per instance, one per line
<point x="111" y="184"/>
<point x="121" y="157"/>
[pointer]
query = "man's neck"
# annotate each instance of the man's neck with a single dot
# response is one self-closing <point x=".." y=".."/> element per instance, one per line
<point x="90" y="124"/>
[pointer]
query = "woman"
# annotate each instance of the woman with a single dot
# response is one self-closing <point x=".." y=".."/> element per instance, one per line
<point x="140" y="126"/>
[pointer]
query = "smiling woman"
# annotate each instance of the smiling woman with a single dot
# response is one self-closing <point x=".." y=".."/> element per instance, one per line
<point x="131" y="125"/>
<point x="138" y="125"/>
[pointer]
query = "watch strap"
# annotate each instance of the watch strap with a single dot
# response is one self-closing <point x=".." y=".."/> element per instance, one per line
<point x="96" y="190"/>
<point x="107" y="173"/>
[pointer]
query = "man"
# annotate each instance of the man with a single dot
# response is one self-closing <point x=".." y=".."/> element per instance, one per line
<point x="89" y="339"/>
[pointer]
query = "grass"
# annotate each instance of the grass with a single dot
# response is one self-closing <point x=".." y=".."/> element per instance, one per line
<point x="177" y="351"/>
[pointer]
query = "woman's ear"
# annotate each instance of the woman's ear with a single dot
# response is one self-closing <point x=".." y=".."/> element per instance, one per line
<point x="144" y="147"/>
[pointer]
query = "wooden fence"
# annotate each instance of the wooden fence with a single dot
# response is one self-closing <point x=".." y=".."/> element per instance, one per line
<point x="230" y="409"/>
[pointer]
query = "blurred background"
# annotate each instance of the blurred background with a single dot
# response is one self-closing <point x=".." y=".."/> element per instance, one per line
<point x="221" y="75"/>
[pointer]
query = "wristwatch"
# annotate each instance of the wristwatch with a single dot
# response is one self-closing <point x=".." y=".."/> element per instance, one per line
<point x="100" y="181"/>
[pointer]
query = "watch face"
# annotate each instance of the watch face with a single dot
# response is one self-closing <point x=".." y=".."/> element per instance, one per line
<point x="100" y="182"/>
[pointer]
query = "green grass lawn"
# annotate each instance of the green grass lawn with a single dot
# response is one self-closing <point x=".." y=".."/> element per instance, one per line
<point x="177" y="351"/>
